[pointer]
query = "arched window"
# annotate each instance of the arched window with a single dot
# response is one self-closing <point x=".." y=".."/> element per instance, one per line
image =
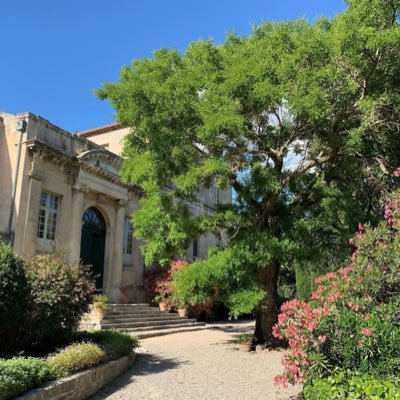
<point x="93" y="219"/>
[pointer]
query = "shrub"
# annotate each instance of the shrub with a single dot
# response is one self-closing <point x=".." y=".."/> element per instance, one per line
<point x="219" y="279"/>
<point x="14" y="294"/>
<point x="157" y="280"/>
<point x="19" y="374"/>
<point x="74" y="358"/>
<point x="353" y="321"/>
<point x="342" y="385"/>
<point x="61" y="294"/>
<point x="114" y="344"/>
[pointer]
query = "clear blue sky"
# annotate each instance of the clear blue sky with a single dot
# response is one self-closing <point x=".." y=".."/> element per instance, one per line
<point x="54" y="53"/>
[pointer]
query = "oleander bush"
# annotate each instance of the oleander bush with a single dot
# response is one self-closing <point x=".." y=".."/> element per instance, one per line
<point x="60" y="295"/>
<point x="74" y="358"/>
<point x="114" y="344"/>
<point x="353" y="320"/>
<point x="20" y="374"/>
<point x="344" y="385"/>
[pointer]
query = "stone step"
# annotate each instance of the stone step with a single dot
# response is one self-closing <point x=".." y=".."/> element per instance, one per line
<point x="147" y="323"/>
<point x="134" y="309"/>
<point x="119" y="305"/>
<point x="131" y="308"/>
<point x="140" y="332"/>
<point x="140" y="313"/>
<point x="125" y="318"/>
<point x="168" y="331"/>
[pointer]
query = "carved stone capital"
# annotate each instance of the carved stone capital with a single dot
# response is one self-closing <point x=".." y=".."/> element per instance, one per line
<point x="120" y="204"/>
<point x="80" y="188"/>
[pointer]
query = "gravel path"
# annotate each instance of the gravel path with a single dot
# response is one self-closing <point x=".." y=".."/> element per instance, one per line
<point x="199" y="365"/>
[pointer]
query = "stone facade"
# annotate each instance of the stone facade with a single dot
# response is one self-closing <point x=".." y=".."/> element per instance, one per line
<point x="62" y="190"/>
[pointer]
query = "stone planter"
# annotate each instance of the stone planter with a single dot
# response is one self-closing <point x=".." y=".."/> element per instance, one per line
<point x="182" y="312"/>
<point x="97" y="314"/>
<point x="82" y="385"/>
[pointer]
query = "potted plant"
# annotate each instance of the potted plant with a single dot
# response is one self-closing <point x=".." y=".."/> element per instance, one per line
<point x="99" y="306"/>
<point x="182" y="307"/>
<point x="245" y="342"/>
<point x="163" y="302"/>
<point x="182" y="311"/>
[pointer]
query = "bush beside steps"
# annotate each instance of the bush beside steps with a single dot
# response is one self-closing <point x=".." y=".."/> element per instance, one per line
<point x="19" y="374"/>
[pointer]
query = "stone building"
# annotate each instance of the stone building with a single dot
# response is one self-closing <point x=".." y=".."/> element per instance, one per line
<point x="63" y="190"/>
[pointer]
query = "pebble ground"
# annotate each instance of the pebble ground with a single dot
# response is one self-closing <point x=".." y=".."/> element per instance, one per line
<point x="200" y="365"/>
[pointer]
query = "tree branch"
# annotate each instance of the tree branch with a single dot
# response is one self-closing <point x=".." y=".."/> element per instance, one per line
<point x="314" y="162"/>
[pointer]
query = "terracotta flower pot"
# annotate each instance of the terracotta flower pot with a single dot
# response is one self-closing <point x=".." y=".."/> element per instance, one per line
<point x="182" y="312"/>
<point x="245" y="347"/>
<point x="163" y="306"/>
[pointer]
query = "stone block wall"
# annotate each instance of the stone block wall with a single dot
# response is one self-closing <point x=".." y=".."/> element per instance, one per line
<point x="83" y="385"/>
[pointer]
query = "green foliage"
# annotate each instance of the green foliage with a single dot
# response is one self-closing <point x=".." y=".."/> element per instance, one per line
<point x="220" y="278"/>
<point x="114" y="344"/>
<point x="60" y="295"/>
<point x="41" y="301"/>
<point x="100" y="302"/>
<point x="245" y="338"/>
<point x="14" y="295"/>
<point x="352" y="385"/>
<point x="74" y="358"/>
<point x="100" y="298"/>
<point x="352" y="322"/>
<point x="299" y="120"/>
<point x="19" y="374"/>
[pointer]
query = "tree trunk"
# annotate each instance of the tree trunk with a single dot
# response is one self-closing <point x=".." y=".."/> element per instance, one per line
<point x="267" y="314"/>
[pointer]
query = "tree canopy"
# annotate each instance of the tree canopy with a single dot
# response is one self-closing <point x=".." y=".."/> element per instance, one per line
<point x="301" y="120"/>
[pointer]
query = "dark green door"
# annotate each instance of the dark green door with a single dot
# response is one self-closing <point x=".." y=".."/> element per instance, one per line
<point x="93" y="242"/>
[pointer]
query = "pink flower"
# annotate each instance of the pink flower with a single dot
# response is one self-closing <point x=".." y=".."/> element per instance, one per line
<point x="366" y="332"/>
<point x="281" y="381"/>
<point x="322" y="338"/>
<point x="396" y="172"/>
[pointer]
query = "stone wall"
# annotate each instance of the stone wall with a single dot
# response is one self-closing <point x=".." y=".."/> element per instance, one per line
<point x="83" y="385"/>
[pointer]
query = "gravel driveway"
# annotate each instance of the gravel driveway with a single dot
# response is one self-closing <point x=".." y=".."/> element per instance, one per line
<point x="199" y="365"/>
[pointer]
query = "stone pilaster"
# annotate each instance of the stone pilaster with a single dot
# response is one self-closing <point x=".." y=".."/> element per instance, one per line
<point x="27" y="244"/>
<point x="117" y="259"/>
<point x="75" y="232"/>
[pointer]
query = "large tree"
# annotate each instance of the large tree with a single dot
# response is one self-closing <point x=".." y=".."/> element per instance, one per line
<point x="300" y="120"/>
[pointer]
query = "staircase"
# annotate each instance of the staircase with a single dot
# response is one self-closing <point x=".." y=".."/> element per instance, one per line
<point x="145" y="321"/>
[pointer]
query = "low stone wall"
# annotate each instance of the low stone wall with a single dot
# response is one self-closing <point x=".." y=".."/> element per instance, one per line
<point x="82" y="385"/>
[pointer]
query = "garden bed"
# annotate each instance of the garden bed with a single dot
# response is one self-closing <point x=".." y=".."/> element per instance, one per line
<point x="82" y="385"/>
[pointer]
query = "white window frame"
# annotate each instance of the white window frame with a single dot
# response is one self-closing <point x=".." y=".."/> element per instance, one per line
<point x="49" y="207"/>
<point x="127" y="247"/>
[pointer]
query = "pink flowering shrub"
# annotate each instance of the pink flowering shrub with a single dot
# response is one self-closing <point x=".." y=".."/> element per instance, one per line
<point x="353" y="320"/>
<point x="157" y="279"/>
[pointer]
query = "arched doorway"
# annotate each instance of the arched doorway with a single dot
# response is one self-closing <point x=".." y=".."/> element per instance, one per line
<point x="93" y="242"/>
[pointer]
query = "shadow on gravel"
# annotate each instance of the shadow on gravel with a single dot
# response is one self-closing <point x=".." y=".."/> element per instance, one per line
<point x="145" y="364"/>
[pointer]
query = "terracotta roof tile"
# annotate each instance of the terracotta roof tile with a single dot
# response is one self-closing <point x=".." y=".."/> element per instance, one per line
<point x="100" y="129"/>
